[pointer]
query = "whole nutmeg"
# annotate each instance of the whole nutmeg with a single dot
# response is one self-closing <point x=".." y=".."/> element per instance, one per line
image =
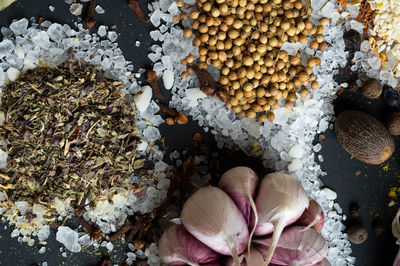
<point x="393" y="123"/>
<point x="372" y="89"/>
<point x="357" y="234"/>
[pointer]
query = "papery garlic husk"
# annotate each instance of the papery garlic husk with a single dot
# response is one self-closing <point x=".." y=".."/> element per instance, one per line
<point x="254" y="258"/>
<point x="396" y="233"/>
<point x="312" y="217"/>
<point x="212" y="217"/>
<point x="281" y="200"/>
<point x="178" y="247"/>
<point x="296" y="247"/>
<point x="240" y="183"/>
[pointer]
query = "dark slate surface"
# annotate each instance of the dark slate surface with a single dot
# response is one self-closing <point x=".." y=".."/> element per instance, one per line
<point x="369" y="189"/>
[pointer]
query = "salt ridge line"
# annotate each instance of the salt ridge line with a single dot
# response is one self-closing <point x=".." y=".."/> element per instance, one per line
<point x="25" y="47"/>
<point x="285" y="145"/>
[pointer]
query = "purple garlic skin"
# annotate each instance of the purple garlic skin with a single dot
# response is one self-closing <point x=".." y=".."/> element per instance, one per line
<point x="296" y="246"/>
<point x="178" y="247"/>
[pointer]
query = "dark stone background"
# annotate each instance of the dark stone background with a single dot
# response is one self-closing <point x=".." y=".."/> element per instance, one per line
<point x="369" y="189"/>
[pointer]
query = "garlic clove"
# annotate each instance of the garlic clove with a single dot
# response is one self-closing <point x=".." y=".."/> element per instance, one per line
<point x="212" y="217"/>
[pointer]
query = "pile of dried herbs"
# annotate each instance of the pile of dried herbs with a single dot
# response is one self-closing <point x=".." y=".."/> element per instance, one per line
<point x="70" y="134"/>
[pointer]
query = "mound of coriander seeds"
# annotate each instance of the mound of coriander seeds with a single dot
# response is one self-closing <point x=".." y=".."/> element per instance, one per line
<point x="243" y="39"/>
<point x="69" y="134"/>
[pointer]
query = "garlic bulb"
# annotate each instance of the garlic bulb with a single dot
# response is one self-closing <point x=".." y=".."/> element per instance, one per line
<point x="212" y="217"/>
<point x="178" y="247"/>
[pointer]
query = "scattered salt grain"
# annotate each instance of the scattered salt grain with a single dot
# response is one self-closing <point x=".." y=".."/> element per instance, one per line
<point x="330" y="194"/>
<point x="15" y="233"/>
<point x="19" y="26"/>
<point x="168" y="79"/>
<point x="76" y="9"/>
<point x="52" y="8"/>
<point x="13" y="73"/>
<point x="102" y="31"/>
<point x="44" y="263"/>
<point x="112" y="36"/>
<point x="3" y="159"/>
<point x="42" y="250"/>
<point x="69" y="238"/>
<point x="137" y="44"/>
<point x="110" y="246"/>
<point x="99" y="9"/>
<point x="142" y="99"/>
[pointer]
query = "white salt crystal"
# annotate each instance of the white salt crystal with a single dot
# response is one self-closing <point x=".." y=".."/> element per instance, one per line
<point x="22" y="206"/>
<point x="143" y="98"/>
<point x="168" y="79"/>
<point x="291" y="48"/>
<point x="99" y="9"/>
<point x="137" y="44"/>
<point x="43" y="232"/>
<point x="19" y="26"/>
<point x="15" y="233"/>
<point x="156" y="17"/>
<point x="18" y="51"/>
<point x="374" y="62"/>
<point x="52" y="8"/>
<point x="353" y="10"/>
<point x="357" y="26"/>
<point x="69" y="238"/>
<point x="13" y="73"/>
<point x="165" y="4"/>
<point x="296" y="164"/>
<point x="42" y="250"/>
<point x="317" y="147"/>
<point x="76" y="9"/>
<point x="112" y="36"/>
<point x="2" y="76"/>
<point x="42" y="40"/>
<point x="327" y="10"/>
<point x="55" y="32"/>
<point x="142" y="146"/>
<point x="193" y="95"/>
<point x="3" y="159"/>
<point x="29" y="64"/>
<point x="330" y="194"/>
<point x="110" y="246"/>
<point x="6" y="47"/>
<point x="102" y="31"/>
<point x="151" y="133"/>
<point x="44" y="263"/>
<point x="296" y="151"/>
<point x="281" y="116"/>
<point x="160" y="166"/>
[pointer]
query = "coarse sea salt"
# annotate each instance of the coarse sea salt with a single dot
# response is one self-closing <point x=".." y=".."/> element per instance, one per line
<point x="274" y="142"/>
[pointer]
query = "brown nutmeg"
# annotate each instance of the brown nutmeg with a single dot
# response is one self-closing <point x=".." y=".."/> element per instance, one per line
<point x="357" y="234"/>
<point x="372" y="89"/>
<point x="393" y="123"/>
